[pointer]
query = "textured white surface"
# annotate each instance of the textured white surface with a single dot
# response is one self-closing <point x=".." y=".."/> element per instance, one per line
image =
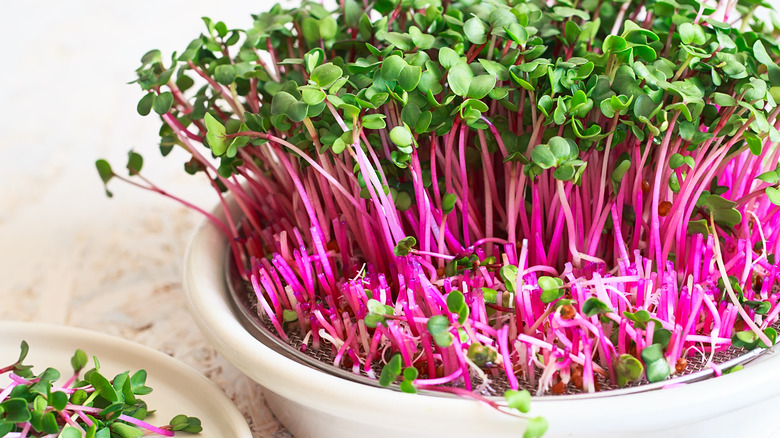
<point x="68" y="254"/>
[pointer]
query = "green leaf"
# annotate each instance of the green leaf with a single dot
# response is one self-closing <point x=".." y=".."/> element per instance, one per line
<point x="508" y="273"/>
<point x="723" y="99"/>
<point x="401" y="136"/>
<point x="377" y="308"/>
<point x="105" y="172"/>
<point x="676" y="161"/>
<point x="773" y="194"/>
<point x="225" y="74"/>
<point x="103" y="386"/>
<point x="374" y="121"/>
<point x="215" y="134"/>
<point x="475" y="30"/>
<point x="628" y="369"/>
<point x="134" y="163"/>
<point x="481" y="355"/>
<point x="49" y="423"/>
<point x="563" y="149"/>
<point x="310" y="28"/>
<point x="543" y="157"/>
<point x="400" y="40"/>
<point x="437" y="324"/>
<point x="407" y="387"/>
<point x="535" y="428"/>
<point x="652" y="353"/>
<point x="421" y="40"/>
<point x="771" y="177"/>
<point x="14" y="410"/>
<point x="58" y="400"/>
<point x="145" y="104"/>
<point x="499" y="71"/>
<point x="641" y="316"/>
<point x="313" y="59"/>
<point x="745" y="339"/>
<point x="186" y="424"/>
<point x="490" y="295"/>
<point x="312" y="96"/>
<point x="761" y="54"/>
<point x="520" y="400"/>
<point x="567" y="12"/>
<point x="613" y="44"/>
<point x="480" y="86"/>
<point x="770" y="333"/>
<point x="448" y="58"/>
<point x="754" y="143"/>
<point x="79" y="360"/>
<point x="619" y="173"/>
<point x="409" y="77"/>
<point x="658" y="371"/>
<point x="138" y="382"/>
<point x="692" y="34"/>
<point x="391" y="370"/>
<point x="448" y="202"/>
<point x="70" y="432"/>
<point x="286" y="104"/>
<point x="328" y="28"/>
<point x="122" y="430"/>
<point x="459" y="79"/>
<point x="593" y="306"/>
<point x="455" y="301"/>
<point x="564" y="172"/>
<point x="551" y="288"/>
<point x="404" y="246"/>
<point x="326" y="75"/>
<point x="392" y="67"/>
<point x="443" y="340"/>
<point x="372" y="320"/>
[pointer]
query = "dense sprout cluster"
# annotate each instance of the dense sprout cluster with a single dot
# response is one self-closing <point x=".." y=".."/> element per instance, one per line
<point x="473" y="190"/>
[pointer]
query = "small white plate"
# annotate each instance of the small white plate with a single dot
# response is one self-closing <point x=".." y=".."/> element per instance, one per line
<point x="177" y="388"/>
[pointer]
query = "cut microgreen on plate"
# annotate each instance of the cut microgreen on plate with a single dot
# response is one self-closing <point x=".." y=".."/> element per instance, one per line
<point x="85" y="405"/>
<point x="553" y="193"/>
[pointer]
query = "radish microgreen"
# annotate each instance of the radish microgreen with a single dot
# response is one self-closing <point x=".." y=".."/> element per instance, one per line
<point x="543" y="179"/>
<point x="88" y="405"/>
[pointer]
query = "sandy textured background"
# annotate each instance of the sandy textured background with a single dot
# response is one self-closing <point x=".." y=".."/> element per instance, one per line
<point x="69" y="255"/>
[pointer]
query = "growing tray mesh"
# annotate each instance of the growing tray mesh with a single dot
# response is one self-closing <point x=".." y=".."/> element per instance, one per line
<point x="244" y="304"/>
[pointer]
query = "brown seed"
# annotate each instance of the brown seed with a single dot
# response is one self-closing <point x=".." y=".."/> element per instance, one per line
<point x="559" y="388"/>
<point x="333" y="246"/>
<point x="577" y="380"/>
<point x="440" y="272"/>
<point x="664" y="207"/>
<point x="568" y="312"/>
<point x="645" y="185"/>
<point x="680" y="366"/>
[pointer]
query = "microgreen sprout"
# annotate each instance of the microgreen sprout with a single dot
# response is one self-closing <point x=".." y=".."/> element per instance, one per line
<point x="85" y="405"/>
<point x="525" y="186"/>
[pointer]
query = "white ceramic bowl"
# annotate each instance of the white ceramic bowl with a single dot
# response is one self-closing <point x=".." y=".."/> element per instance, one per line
<point x="313" y="404"/>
